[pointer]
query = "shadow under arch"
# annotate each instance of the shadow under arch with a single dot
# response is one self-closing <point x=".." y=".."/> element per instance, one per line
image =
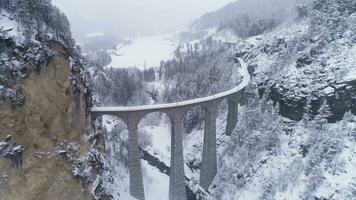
<point x="110" y="121"/>
<point x="222" y="116"/>
<point x="193" y="117"/>
<point x="111" y="125"/>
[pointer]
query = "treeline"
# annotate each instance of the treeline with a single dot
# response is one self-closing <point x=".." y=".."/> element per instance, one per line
<point x="123" y="86"/>
<point x="98" y="58"/>
<point x="198" y="70"/>
<point x="39" y="16"/>
<point x="245" y="26"/>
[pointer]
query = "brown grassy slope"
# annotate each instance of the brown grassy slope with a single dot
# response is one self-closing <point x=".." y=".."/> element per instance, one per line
<point x="48" y="116"/>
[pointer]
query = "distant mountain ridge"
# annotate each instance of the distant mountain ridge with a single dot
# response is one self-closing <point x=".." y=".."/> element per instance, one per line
<point x="244" y="18"/>
<point x="275" y="9"/>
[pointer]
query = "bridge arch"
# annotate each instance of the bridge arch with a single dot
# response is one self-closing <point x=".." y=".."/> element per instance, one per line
<point x="155" y="133"/>
<point x="145" y="114"/>
<point x="154" y="120"/>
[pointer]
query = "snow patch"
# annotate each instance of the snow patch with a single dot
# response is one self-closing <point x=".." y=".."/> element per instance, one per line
<point x="144" y="52"/>
<point x="156" y="184"/>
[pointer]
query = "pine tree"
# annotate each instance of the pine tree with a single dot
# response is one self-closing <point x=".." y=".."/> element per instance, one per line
<point x="307" y="111"/>
<point x="323" y="114"/>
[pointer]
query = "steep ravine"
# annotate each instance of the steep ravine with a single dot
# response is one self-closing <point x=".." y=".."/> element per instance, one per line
<point x="49" y="116"/>
<point x="163" y="168"/>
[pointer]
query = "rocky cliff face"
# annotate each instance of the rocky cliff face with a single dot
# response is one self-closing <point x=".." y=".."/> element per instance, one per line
<point x="48" y="117"/>
<point x="44" y="99"/>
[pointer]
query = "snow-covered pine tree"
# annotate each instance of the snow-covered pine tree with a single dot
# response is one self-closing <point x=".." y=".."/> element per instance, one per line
<point x="307" y="115"/>
<point x="323" y="114"/>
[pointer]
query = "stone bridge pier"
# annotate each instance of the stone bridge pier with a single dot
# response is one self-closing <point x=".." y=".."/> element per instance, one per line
<point x="232" y="114"/>
<point x="136" y="180"/>
<point x="177" y="178"/>
<point x="209" y="158"/>
<point x="176" y="112"/>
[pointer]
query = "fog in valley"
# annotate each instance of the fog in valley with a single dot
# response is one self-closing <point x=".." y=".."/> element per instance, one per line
<point x="127" y="18"/>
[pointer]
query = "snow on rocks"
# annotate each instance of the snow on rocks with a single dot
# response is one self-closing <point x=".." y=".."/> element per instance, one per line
<point x="329" y="90"/>
<point x="11" y="151"/>
<point x="69" y="150"/>
<point x="17" y="60"/>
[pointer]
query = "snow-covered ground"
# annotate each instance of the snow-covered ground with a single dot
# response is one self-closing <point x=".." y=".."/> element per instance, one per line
<point x="144" y="52"/>
<point x="155" y="183"/>
<point x="351" y="59"/>
<point x="10" y="25"/>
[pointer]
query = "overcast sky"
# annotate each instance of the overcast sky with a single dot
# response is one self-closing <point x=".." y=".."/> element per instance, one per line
<point x="134" y="17"/>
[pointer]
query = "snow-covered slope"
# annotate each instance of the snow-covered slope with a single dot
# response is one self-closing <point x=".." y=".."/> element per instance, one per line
<point x="270" y="157"/>
<point x="241" y="19"/>
<point x="306" y="68"/>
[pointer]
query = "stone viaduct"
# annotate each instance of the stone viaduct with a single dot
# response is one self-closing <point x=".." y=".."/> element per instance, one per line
<point x="176" y="111"/>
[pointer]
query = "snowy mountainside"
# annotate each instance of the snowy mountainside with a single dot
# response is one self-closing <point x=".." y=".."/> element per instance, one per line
<point x="303" y="71"/>
<point x="255" y="8"/>
<point x="271" y="157"/>
<point x="308" y="60"/>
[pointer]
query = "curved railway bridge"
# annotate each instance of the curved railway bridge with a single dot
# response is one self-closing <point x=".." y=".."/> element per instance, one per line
<point x="132" y="116"/>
